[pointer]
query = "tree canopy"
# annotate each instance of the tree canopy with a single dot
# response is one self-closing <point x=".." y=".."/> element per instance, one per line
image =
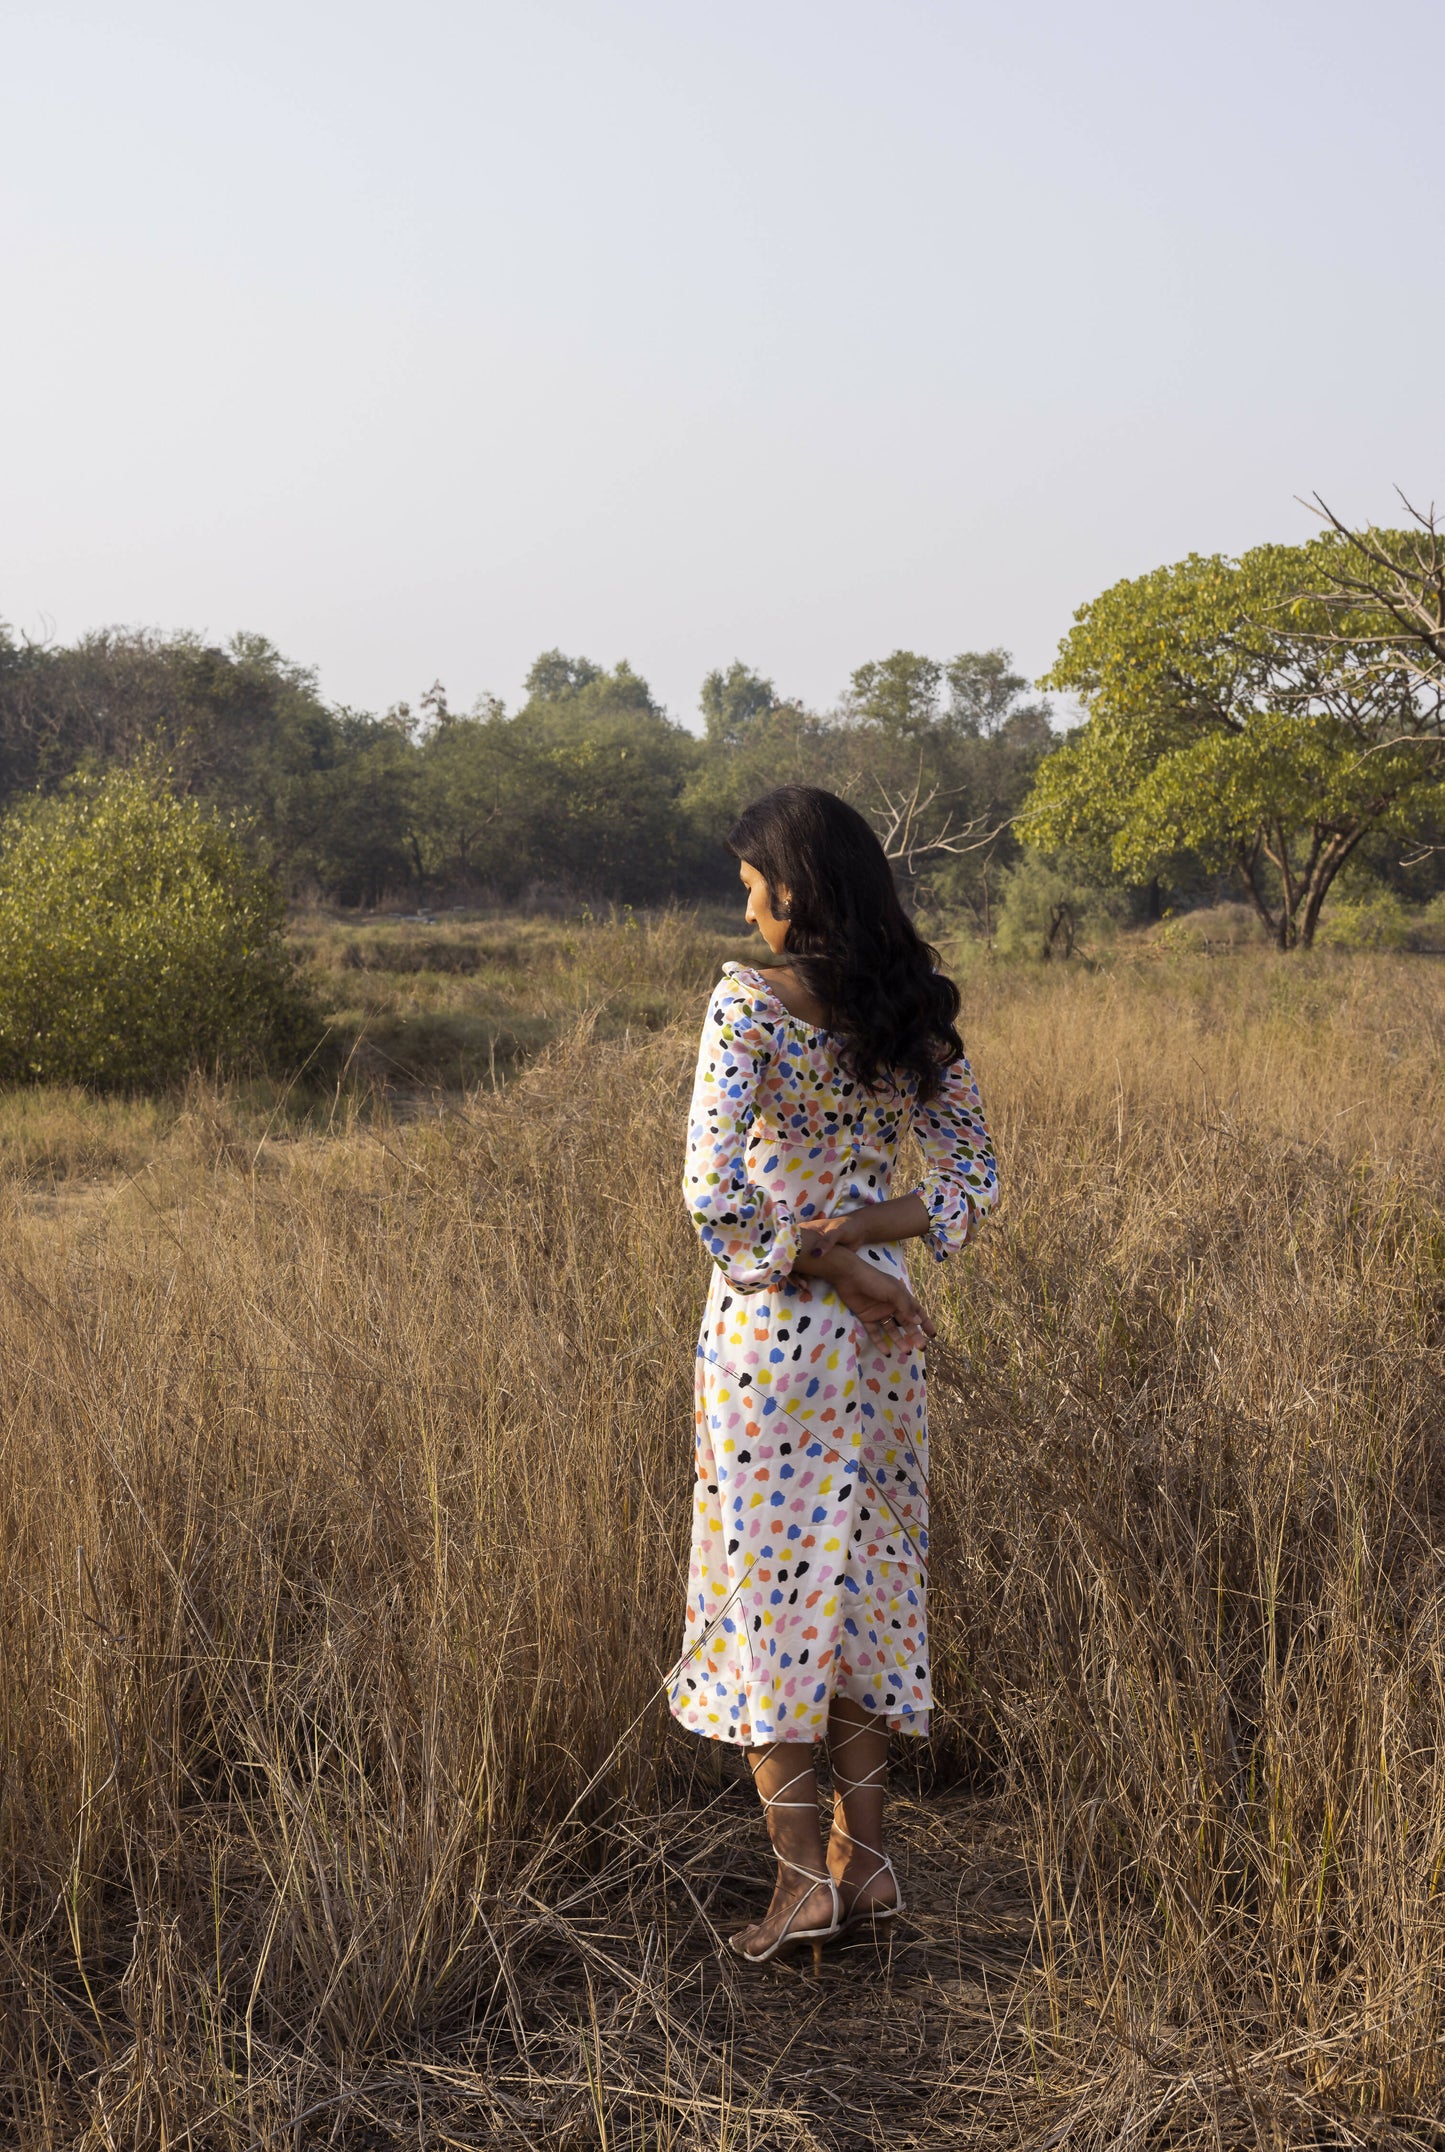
<point x="1254" y="713"/>
<point x="590" y="788"/>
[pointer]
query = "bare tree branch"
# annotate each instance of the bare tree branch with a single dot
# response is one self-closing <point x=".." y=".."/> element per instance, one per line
<point x="903" y="837"/>
<point x="1409" y="590"/>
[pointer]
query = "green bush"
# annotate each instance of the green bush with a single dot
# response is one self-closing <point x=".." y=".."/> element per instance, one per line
<point x="138" y="941"/>
<point x="1046" y="910"/>
<point x="1430" y="924"/>
<point x="1373" y="919"/>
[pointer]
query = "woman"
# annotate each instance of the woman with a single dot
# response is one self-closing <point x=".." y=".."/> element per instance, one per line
<point x="810" y="1530"/>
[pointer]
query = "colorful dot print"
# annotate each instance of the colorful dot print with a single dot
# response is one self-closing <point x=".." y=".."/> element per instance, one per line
<point x="810" y="1525"/>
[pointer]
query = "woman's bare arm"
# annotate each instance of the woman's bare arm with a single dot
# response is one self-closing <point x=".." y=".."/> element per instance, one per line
<point x="828" y="1249"/>
<point x="885" y="1305"/>
<point x="900" y="1218"/>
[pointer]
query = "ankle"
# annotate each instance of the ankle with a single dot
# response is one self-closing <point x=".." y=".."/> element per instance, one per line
<point x="801" y="1861"/>
<point x="851" y="1859"/>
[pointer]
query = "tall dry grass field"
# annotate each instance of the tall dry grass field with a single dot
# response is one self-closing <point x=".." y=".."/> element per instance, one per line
<point x="344" y="1482"/>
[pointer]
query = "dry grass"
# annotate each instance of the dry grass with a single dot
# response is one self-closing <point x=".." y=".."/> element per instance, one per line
<point x="344" y="1490"/>
<point x="456" y="1001"/>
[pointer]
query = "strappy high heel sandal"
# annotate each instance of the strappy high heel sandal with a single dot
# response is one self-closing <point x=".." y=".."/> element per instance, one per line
<point x="884" y="1866"/>
<point x="788" y="1935"/>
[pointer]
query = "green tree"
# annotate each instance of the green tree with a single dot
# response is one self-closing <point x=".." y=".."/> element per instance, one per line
<point x="732" y="704"/>
<point x="753" y="741"/>
<point x="1397" y="580"/>
<point x="895" y="698"/>
<point x="138" y="940"/>
<point x="939" y="756"/>
<point x="1044" y="905"/>
<point x="332" y="804"/>
<point x="480" y="791"/>
<point x="324" y="794"/>
<point x="555" y="678"/>
<point x="607" y="769"/>
<point x="987" y="700"/>
<point x="1238" y="714"/>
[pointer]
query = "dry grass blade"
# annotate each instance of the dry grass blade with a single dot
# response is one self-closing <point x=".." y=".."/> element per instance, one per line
<point x="344" y="1482"/>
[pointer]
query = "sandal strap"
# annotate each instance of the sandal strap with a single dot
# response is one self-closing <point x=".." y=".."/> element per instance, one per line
<point x="817" y="1882"/>
<point x="775" y="1800"/>
<point x="842" y="1785"/>
<point x="815" y="1879"/>
<point x="884" y="1866"/>
<point x="799" y="1870"/>
<point x="856" y="1785"/>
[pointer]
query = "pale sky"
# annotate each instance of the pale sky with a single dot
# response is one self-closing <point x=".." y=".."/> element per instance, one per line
<point x="423" y="338"/>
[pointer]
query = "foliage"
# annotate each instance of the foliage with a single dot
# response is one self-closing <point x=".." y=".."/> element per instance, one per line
<point x="137" y="941"/>
<point x="1377" y="920"/>
<point x="1396" y="579"/>
<point x="610" y="768"/>
<point x="1046" y="906"/>
<point x="937" y="756"/>
<point x="581" y="790"/>
<point x="1237" y="714"/>
<point x="323" y="793"/>
<point x="1207" y="928"/>
<point x="941" y="757"/>
<point x="590" y="788"/>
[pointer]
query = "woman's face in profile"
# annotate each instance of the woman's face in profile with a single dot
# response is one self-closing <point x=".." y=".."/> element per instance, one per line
<point x="760" y="913"/>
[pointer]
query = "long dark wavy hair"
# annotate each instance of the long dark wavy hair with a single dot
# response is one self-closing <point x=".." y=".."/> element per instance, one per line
<point x="849" y="939"/>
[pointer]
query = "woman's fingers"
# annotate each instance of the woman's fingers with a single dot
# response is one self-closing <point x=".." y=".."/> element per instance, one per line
<point x="901" y="1301"/>
<point x="909" y="1320"/>
<point x="888" y="1311"/>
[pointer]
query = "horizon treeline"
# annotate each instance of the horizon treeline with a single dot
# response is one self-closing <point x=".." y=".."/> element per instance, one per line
<point x="589" y="790"/>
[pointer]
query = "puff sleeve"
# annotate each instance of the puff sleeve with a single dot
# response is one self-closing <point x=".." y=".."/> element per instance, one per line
<point x="747" y="1229"/>
<point x="960" y="1181"/>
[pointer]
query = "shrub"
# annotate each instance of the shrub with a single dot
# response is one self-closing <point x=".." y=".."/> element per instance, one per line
<point x="1430" y="924"/>
<point x="138" y="941"/>
<point x="1211" y="927"/>
<point x="1373" y="919"/>
<point x="1046" y="910"/>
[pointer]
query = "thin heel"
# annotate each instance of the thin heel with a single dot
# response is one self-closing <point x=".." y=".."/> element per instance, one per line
<point x="817" y="1960"/>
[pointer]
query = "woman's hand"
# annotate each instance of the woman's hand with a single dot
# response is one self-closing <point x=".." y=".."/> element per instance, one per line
<point x="895" y="1218"/>
<point x="883" y="1303"/>
<point x="846" y="1230"/>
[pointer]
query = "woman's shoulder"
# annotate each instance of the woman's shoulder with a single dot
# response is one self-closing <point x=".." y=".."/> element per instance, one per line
<point x="741" y="1018"/>
<point x="769" y="1000"/>
<point x="743" y="993"/>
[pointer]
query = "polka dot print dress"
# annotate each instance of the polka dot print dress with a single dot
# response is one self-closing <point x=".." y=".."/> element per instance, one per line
<point x="810" y="1524"/>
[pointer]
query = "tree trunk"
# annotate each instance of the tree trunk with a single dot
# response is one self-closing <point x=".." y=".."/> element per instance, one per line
<point x="1248" y="865"/>
<point x="1289" y="893"/>
<point x="1062" y="924"/>
<point x="1330" y="863"/>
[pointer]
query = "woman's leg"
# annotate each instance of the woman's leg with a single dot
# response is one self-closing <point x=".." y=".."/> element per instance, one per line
<point x="788" y="1786"/>
<point x="857" y="1860"/>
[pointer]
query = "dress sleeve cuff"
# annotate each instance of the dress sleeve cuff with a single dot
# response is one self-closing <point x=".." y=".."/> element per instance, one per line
<point x="950" y="1214"/>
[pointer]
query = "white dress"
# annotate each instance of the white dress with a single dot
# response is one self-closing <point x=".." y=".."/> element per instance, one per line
<point x="810" y="1525"/>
